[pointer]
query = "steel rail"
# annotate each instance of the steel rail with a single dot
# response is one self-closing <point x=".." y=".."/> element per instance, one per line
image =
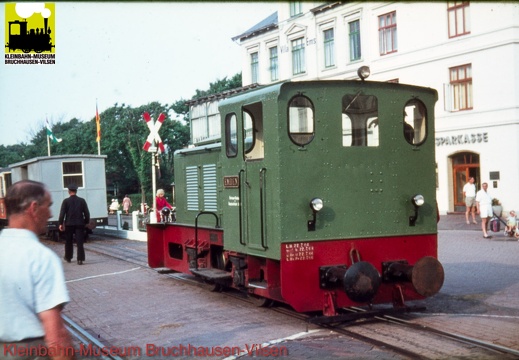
<point x="82" y="335"/>
<point x="458" y="337"/>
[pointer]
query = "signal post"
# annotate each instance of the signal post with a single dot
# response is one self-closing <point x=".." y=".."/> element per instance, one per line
<point x="155" y="146"/>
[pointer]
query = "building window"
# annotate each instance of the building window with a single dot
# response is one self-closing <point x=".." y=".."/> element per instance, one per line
<point x="273" y="53"/>
<point x="254" y="67"/>
<point x="298" y="56"/>
<point x="296" y="8"/>
<point x="459" y="18"/>
<point x="387" y="33"/>
<point x="461" y="87"/>
<point x="205" y="122"/>
<point x="329" y="56"/>
<point x="354" y="28"/>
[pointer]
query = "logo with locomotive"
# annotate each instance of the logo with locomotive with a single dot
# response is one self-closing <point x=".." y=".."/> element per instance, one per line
<point x="30" y="34"/>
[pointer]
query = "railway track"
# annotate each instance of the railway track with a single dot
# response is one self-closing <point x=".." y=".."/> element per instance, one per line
<point x="399" y="334"/>
<point x="87" y="346"/>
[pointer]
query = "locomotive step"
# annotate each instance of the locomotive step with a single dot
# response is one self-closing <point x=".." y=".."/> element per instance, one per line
<point x="212" y="274"/>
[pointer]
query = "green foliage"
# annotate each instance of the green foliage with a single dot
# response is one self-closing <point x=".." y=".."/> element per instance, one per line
<point x="220" y="86"/>
<point x="11" y="154"/>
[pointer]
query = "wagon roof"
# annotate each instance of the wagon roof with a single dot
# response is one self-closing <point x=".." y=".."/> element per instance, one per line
<point x="56" y="157"/>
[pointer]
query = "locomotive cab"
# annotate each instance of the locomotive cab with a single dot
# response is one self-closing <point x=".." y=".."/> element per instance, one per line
<point x="324" y="195"/>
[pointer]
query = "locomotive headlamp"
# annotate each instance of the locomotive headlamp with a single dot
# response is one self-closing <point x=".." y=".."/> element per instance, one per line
<point x="364" y="72"/>
<point x="316" y="204"/>
<point x="417" y="200"/>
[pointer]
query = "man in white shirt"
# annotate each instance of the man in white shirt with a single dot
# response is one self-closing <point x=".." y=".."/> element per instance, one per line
<point x="484" y="205"/>
<point x="469" y="193"/>
<point x="32" y="286"/>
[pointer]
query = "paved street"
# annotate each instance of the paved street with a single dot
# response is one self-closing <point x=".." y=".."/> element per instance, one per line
<point x="126" y="304"/>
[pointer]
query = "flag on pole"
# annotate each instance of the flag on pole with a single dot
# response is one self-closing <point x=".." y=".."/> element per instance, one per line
<point x="51" y="134"/>
<point x="98" y="122"/>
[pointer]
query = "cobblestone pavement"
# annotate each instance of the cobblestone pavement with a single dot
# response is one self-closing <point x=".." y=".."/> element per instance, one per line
<point x="128" y="305"/>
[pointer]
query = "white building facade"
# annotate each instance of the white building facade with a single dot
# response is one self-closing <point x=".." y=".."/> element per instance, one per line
<point x="468" y="52"/>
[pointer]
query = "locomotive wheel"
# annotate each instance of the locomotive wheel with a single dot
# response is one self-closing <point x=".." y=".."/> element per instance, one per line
<point x="260" y="301"/>
<point x="26" y="50"/>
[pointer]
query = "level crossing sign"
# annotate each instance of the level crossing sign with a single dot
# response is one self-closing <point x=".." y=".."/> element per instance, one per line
<point x="154" y="133"/>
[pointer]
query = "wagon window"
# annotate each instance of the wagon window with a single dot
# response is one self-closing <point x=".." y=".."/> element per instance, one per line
<point x="359" y="120"/>
<point x="231" y="137"/>
<point x="415" y="122"/>
<point x="301" y="120"/>
<point x="72" y="173"/>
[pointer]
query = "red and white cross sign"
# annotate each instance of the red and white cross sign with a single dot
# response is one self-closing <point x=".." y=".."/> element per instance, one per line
<point x="154" y="132"/>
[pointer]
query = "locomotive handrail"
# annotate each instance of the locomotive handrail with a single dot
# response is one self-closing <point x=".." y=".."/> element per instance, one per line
<point x="262" y="174"/>
<point x="240" y="208"/>
<point x="354" y="252"/>
<point x="196" y="231"/>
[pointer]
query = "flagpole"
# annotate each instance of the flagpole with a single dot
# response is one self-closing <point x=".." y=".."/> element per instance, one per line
<point x="48" y="145"/>
<point x="98" y="131"/>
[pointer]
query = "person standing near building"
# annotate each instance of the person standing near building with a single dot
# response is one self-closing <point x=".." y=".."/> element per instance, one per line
<point x="484" y="205"/>
<point x="127" y="203"/>
<point x="73" y="217"/>
<point x="469" y="193"/>
<point x="32" y="287"/>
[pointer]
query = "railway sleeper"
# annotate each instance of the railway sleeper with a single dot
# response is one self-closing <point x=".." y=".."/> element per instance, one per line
<point x="359" y="314"/>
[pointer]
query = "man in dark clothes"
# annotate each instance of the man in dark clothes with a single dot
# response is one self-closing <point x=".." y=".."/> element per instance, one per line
<point x="73" y="217"/>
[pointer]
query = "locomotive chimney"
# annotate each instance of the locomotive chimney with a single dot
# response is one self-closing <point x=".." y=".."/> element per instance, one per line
<point x="45" y="22"/>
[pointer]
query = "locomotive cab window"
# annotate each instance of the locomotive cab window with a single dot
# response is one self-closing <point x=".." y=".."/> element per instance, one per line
<point x="301" y="120"/>
<point x="359" y="120"/>
<point x="415" y="122"/>
<point x="253" y="131"/>
<point x="231" y="137"/>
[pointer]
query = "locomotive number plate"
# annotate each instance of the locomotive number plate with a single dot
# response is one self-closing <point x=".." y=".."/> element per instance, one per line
<point x="231" y="182"/>
<point x="299" y="251"/>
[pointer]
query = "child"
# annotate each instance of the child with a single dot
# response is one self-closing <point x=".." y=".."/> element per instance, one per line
<point x="511" y="224"/>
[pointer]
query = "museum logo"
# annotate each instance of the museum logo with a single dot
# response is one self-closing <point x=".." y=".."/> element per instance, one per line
<point x="30" y="33"/>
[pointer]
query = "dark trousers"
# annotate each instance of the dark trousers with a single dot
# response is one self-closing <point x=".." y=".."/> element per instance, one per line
<point x="79" y="232"/>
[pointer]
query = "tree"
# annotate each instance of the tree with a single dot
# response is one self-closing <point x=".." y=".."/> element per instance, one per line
<point x="220" y="86"/>
<point x="11" y="154"/>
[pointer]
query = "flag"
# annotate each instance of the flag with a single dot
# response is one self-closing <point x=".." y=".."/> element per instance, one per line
<point x="50" y="134"/>
<point x="98" y="122"/>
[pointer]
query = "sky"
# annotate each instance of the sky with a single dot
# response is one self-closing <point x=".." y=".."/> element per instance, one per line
<point x="123" y="52"/>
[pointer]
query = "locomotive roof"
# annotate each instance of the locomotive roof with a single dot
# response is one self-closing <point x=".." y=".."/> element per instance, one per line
<point x="277" y="88"/>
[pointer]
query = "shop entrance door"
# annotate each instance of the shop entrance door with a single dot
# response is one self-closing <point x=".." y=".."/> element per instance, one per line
<point x="464" y="166"/>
